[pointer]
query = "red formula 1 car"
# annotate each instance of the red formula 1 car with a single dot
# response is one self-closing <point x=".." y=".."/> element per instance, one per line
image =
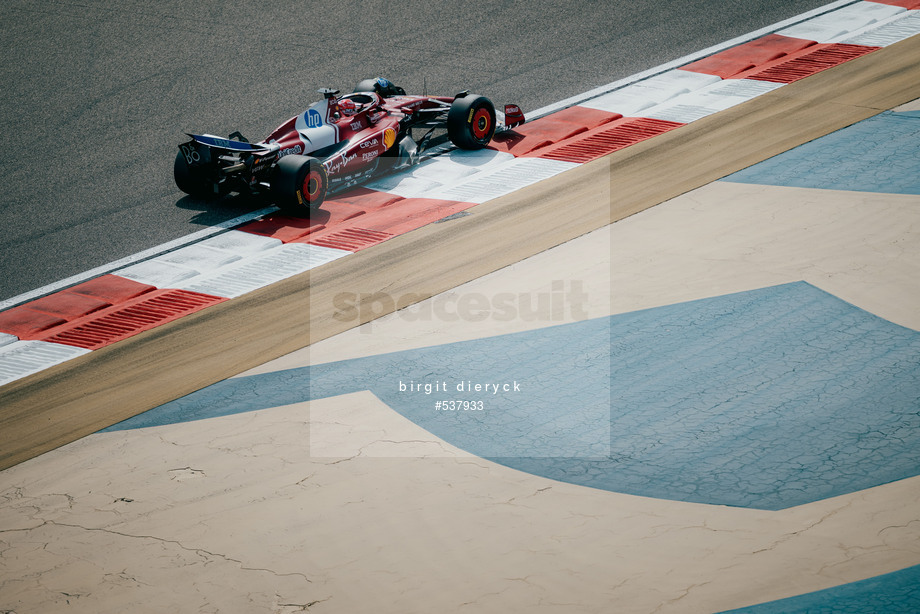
<point x="335" y="144"/>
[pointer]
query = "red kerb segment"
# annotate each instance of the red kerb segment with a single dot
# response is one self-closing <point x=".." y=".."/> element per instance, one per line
<point x="68" y="305"/>
<point x="365" y="199"/>
<point x="813" y="61"/>
<point x="907" y="4"/>
<point x="551" y="129"/>
<point x="606" y="139"/>
<point x="32" y="320"/>
<point x="25" y="323"/>
<point x="412" y="213"/>
<point x="378" y="226"/>
<point x="351" y="239"/>
<point x="334" y="212"/>
<point x="748" y="56"/>
<point x="282" y="227"/>
<point x="112" y="289"/>
<point x="122" y="321"/>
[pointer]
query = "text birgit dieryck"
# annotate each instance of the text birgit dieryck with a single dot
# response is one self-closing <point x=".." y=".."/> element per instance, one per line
<point x="461" y="386"/>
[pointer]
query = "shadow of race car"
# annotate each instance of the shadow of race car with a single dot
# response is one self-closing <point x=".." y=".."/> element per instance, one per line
<point x="339" y="142"/>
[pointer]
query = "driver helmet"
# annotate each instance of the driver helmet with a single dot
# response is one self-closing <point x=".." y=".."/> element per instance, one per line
<point x="347" y="107"/>
<point x="384" y="87"/>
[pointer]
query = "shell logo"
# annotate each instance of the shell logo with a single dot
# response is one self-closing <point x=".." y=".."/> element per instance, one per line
<point x="389" y="137"/>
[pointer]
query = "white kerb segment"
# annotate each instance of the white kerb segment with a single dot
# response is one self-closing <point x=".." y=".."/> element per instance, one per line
<point x="174" y="269"/>
<point x="504" y="179"/>
<point x="901" y="27"/>
<point x="710" y="99"/>
<point x="22" y="358"/>
<point x="433" y="174"/>
<point x="263" y="269"/>
<point x="843" y="22"/>
<point x="632" y="100"/>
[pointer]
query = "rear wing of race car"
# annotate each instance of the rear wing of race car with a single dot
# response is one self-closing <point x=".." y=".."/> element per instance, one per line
<point x="228" y="144"/>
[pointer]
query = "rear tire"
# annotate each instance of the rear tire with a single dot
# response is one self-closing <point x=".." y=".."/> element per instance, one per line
<point x="299" y="184"/>
<point x="471" y="122"/>
<point x="192" y="180"/>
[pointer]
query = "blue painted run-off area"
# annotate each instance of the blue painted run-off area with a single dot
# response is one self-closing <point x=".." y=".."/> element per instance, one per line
<point x="880" y="154"/>
<point x="766" y="399"/>
<point x="893" y="593"/>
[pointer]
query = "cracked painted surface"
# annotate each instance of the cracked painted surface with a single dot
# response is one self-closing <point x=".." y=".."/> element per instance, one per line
<point x="875" y="155"/>
<point x="768" y="399"/>
<point x="268" y="522"/>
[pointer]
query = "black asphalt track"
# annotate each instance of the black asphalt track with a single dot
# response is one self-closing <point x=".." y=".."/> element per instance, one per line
<point x="96" y="94"/>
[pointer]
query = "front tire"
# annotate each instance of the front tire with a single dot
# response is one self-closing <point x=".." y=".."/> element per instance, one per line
<point x="471" y="122"/>
<point x="299" y="184"/>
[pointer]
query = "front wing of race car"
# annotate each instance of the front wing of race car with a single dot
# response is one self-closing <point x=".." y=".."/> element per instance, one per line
<point x="514" y="117"/>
